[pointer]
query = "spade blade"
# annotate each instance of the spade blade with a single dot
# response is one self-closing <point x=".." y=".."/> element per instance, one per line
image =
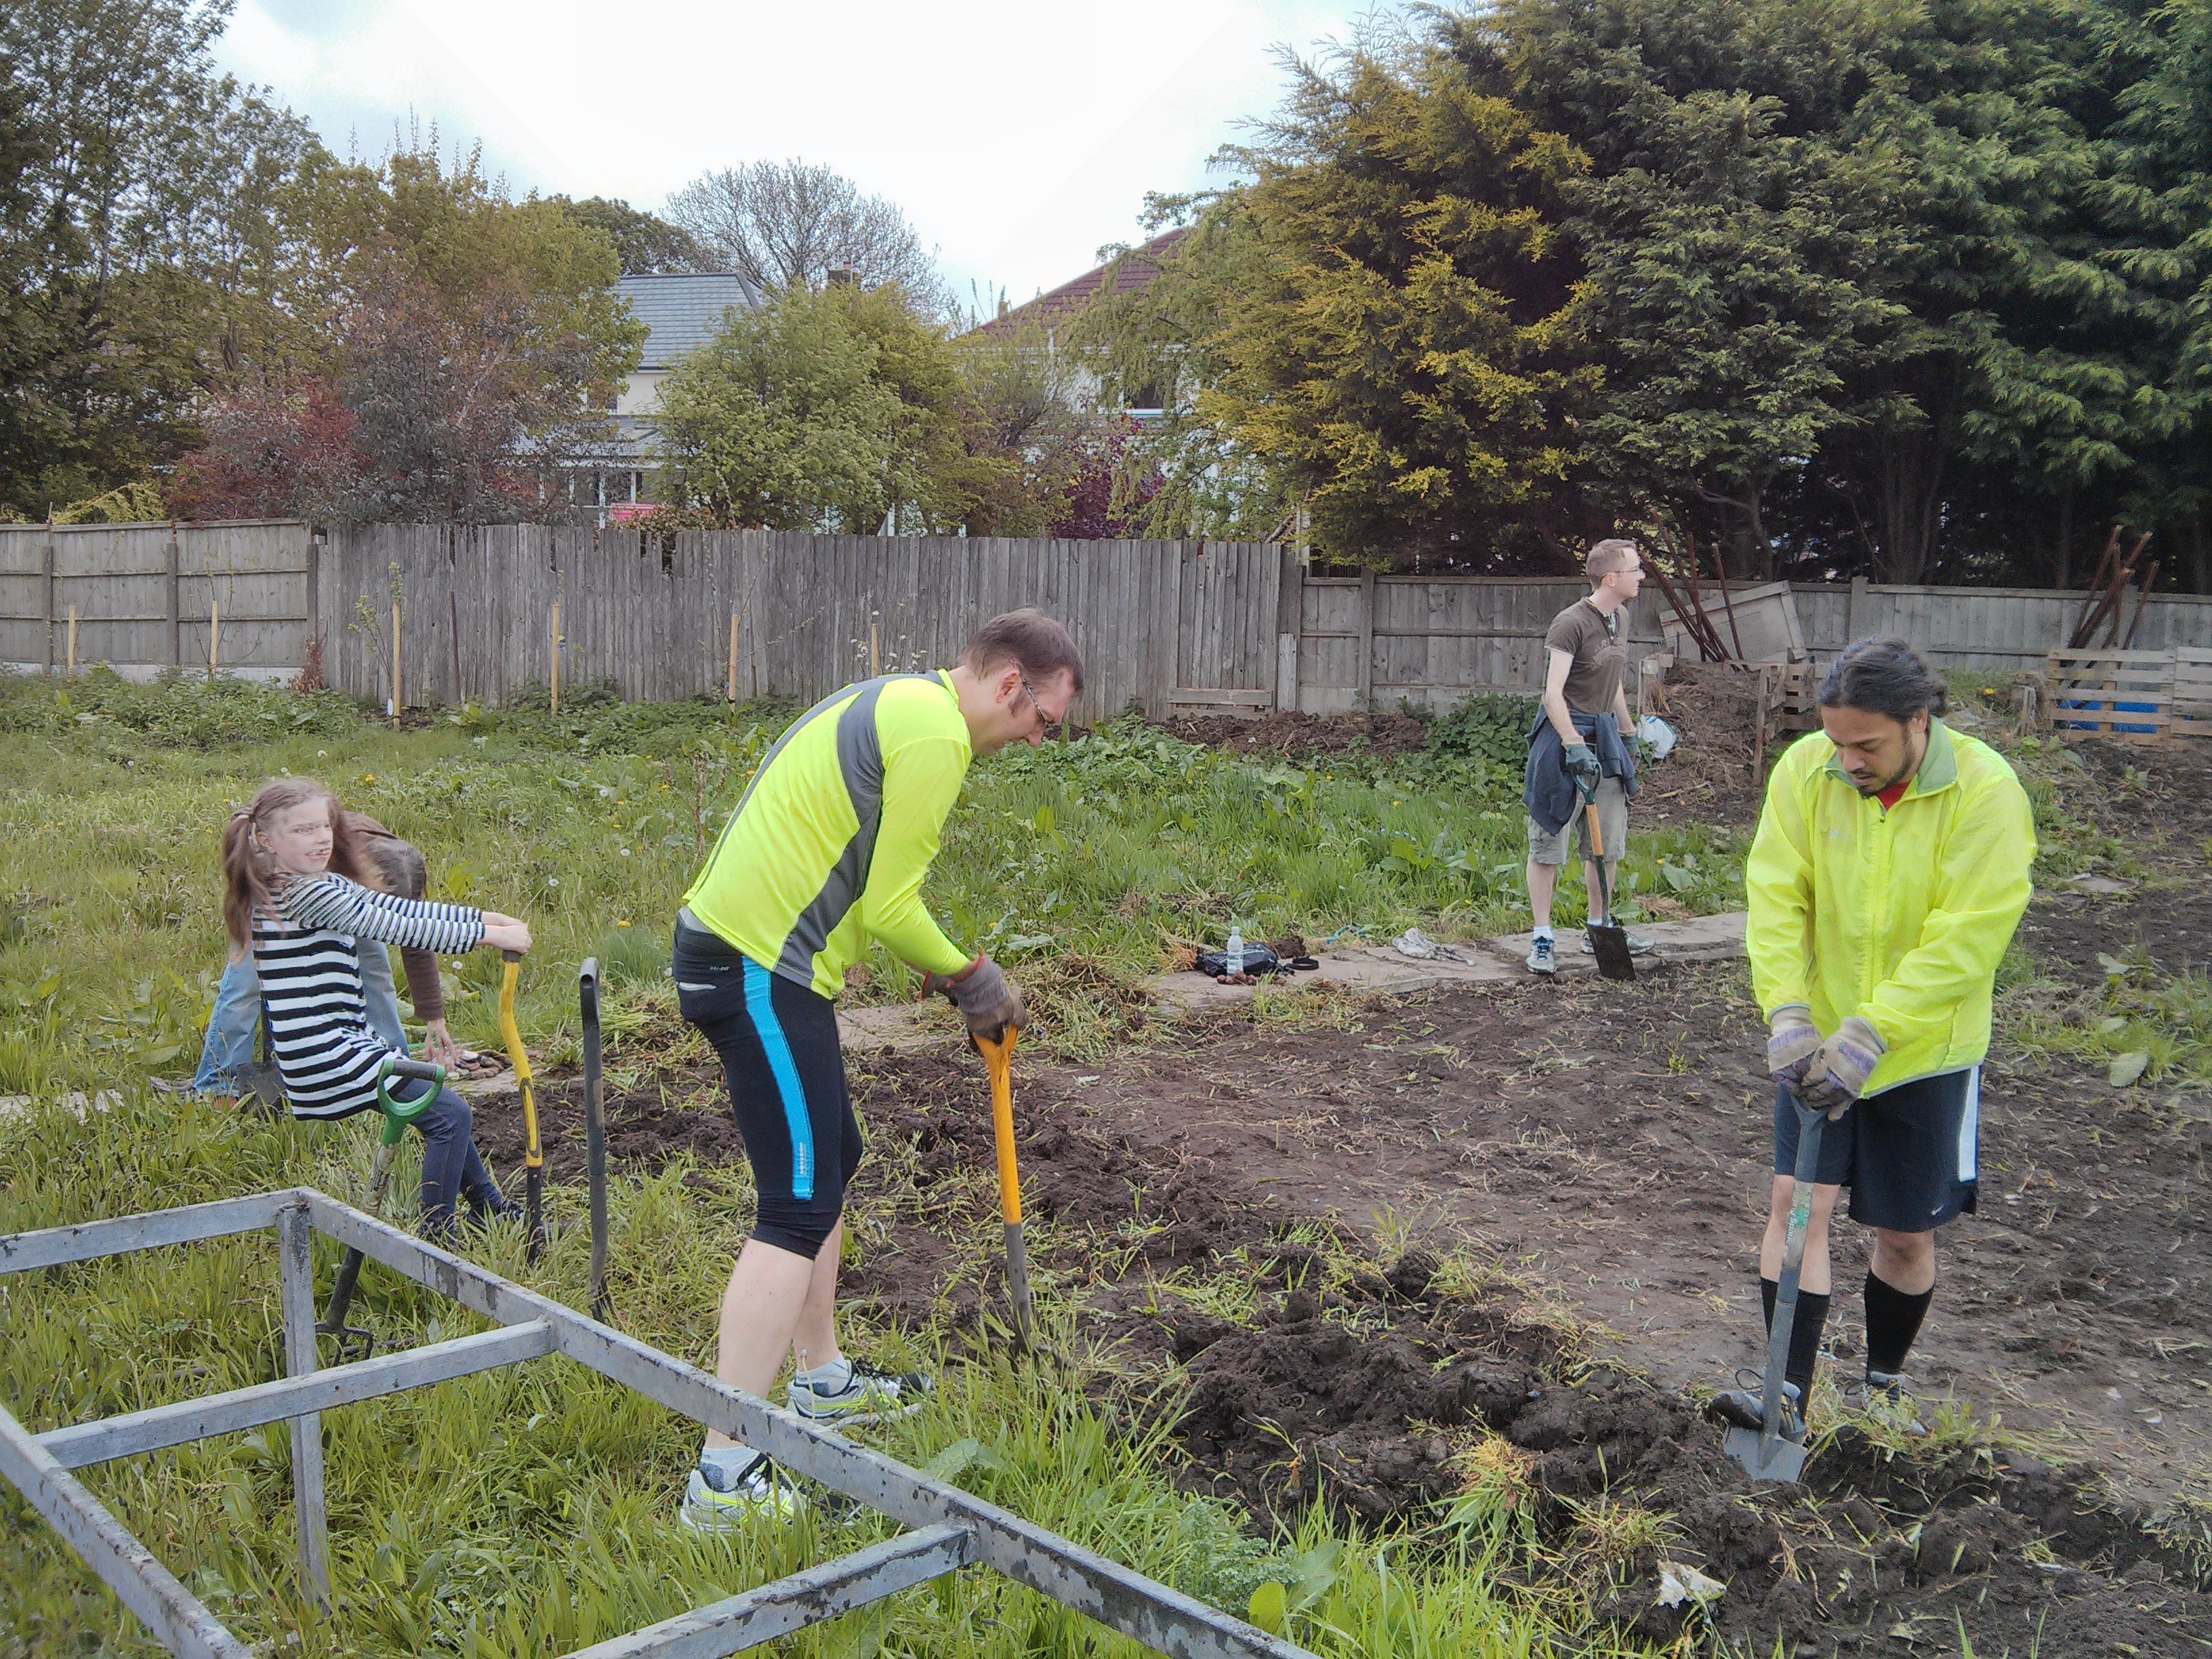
<point x="1609" y="942"/>
<point x="1765" y="1460"/>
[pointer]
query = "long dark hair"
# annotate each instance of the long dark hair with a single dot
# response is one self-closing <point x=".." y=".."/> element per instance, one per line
<point x="1884" y="675"/>
<point x="251" y="876"/>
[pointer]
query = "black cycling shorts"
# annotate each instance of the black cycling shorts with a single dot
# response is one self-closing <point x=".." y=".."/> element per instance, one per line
<point x="1910" y="1155"/>
<point x="778" y="1041"/>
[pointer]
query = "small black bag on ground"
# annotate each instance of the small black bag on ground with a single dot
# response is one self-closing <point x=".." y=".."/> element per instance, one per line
<point x="1258" y="959"/>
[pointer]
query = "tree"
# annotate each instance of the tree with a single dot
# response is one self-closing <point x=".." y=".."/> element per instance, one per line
<point x="468" y="346"/>
<point x="646" y="245"/>
<point x="1380" y="322"/>
<point x="137" y="188"/>
<point x="788" y="224"/>
<point x="791" y="417"/>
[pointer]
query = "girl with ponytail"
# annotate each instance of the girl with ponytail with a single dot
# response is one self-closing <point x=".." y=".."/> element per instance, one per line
<point x="290" y="896"/>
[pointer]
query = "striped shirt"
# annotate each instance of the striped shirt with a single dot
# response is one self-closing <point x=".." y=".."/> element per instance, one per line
<point x="310" y="977"/>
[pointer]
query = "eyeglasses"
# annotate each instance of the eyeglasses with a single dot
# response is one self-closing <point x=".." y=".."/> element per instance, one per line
<point x="1031" y="692"/>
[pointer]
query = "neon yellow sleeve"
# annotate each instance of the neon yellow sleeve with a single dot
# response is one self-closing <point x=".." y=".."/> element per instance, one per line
<point x="921" y="780"/>
<point x="1777" y="889"/>
<point x="1983" y="887"/>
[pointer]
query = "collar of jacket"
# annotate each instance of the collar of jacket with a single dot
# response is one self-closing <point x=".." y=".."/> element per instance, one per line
<point x="1939" y="765"/>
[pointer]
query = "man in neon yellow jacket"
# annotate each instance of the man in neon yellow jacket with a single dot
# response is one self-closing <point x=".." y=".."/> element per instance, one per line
<point x="826" y="850"/>
<point x="1890" y="868"/>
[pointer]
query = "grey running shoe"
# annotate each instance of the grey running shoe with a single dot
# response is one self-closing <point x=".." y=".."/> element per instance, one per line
<point x="1638" y="944"/>
<point x="871" y="1394"/>
<point x="1540" y="959"/>
<point x="1746" y="1409"/>
<point x="713" y="1502"/>
<point x="1886" y="1398"/>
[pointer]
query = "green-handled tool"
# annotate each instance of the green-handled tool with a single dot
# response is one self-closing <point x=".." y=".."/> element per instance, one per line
<point x="1765" y="1451"/>
<point x="397" y="1115"/>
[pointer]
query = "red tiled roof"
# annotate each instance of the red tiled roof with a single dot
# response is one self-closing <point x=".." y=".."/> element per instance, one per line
<point x="1133" y="270"/>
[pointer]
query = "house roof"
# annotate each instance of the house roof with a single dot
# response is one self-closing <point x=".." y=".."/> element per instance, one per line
<point x="683" y="312"/>
<point x="1133" y="270"/>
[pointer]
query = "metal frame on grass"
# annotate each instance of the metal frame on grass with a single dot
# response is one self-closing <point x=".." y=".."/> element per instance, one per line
<point x="950" y="1529"/>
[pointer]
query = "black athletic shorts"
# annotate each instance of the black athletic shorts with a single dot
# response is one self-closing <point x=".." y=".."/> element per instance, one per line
<point x="1910" y="1155"/>
<point x="778" y="1041"/>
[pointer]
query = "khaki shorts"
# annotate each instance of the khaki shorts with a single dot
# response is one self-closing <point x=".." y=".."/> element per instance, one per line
<point x="1612" y="819"/>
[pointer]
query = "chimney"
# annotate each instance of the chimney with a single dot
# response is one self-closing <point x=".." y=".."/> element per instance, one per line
<point x="1002" y="305"/>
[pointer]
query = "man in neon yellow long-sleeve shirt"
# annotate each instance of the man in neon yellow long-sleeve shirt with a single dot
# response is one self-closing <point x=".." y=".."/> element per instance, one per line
<point x="827" y="850"/>
<point x="1890" y="869"/>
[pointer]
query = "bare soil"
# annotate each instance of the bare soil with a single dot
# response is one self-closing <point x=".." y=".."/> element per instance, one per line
<point x="1608" y="1144"/>
<point x="1293" y="735"/>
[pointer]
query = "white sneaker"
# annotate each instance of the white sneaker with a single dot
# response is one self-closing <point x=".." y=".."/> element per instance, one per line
<point x="871" y="1394"/>
<point x="762" y="1490"/>
<point x="1540" y="959"/>
<point x="1638" y="944"/>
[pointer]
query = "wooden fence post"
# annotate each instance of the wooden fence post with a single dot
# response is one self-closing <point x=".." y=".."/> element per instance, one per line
<point x="215" y="636"/>
<point x="48" y="585"/>
<point x="397" y="705"/>
<point x="1289" y="614"/>
<point x="1366" y="641"/>
<point x="315" y="595"/>
<point x="175" y="618"/>
<point x="553" y="649"/>
<point x="72" y="642"/>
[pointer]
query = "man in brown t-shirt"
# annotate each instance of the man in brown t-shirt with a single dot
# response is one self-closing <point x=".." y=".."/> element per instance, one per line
<point x="1584" y="655"/>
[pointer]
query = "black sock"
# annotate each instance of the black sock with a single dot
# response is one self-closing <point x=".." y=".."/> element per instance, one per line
<point x="1892" y="1321"/>
<point x="1804" y="1334"/>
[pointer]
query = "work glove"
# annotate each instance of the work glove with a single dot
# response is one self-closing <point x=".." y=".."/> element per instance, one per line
<point x="1838" y="1071"/>
<point x="983" y="995"/>
<point x="1791" y="1040"/>
<point x="1582" y="764"/>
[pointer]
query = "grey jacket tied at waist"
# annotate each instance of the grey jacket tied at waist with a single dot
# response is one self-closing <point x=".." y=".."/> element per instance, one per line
<point x="1549" y="788"/>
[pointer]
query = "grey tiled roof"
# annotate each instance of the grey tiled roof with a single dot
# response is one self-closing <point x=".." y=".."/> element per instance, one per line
<point x="683" y="312"/>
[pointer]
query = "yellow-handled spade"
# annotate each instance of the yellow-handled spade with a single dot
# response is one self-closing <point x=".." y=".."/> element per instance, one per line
<point x="999" y="1061"/>
<point x="533" y="1156"/>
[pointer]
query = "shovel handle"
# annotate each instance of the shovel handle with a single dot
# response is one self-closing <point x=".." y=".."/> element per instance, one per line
<point x="999" y="1062"/>
<point x="533" y="1155"/>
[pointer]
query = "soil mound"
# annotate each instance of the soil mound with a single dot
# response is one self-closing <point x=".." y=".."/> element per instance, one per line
<point x="1707" y="779"/>
<point x="1293" y="735"/>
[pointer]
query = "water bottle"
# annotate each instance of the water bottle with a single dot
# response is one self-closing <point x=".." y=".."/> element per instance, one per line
<point x="1235" y="965"/>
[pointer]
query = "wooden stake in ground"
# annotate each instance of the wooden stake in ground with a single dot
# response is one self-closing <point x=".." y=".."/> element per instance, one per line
<point x="395" y="662"/>
<point x="72" y="641"/>
<point x="215" y="636"/>
<point x="875" y="666"/>
<point x="730" y="692"/>
<point x="553" y="655"/>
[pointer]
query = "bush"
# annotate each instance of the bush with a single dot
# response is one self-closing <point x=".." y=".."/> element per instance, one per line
<point x="1493" y="727"/>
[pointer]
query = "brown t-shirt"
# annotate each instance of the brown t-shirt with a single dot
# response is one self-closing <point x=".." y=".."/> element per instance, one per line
<point x="1592" y="639"/>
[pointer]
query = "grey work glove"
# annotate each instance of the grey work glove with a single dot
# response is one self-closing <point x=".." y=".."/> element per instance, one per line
<point x="986" y="1000"/>
<point x="1838" y="1071"/>
<point x="1791" y="1040"/>
<point x="1582" y="764"/>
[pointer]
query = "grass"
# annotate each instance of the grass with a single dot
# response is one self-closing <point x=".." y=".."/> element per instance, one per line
<point x="1084" y="866"/>
<point x="531" y="1510"/>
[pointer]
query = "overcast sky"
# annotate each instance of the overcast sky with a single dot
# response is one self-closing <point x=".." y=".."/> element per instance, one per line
<point x="1018" y="137"/>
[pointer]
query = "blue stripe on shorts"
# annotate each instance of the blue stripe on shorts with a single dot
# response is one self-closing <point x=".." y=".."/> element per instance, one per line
<point x="761" y="1008"/>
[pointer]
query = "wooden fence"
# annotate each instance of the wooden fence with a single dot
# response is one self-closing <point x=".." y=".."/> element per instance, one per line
<point x="236" y="598"/>
<point x="1177" y="626"/>
<point x="784" y="615"/>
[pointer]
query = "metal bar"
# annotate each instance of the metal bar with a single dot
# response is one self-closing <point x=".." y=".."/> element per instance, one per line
<point x="52" y="1247"/>
<point x="805" y="1598"/>
<point x="1162" y="1619"/>
<point x="296" y="1274"/>
<point x="126" y="1566"/>
<point x="129" y="1434"/>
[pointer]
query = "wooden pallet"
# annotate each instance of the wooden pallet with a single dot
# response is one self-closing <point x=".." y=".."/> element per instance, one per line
<point x="2192" y="692"/>
<point x="2125" y="695"/>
